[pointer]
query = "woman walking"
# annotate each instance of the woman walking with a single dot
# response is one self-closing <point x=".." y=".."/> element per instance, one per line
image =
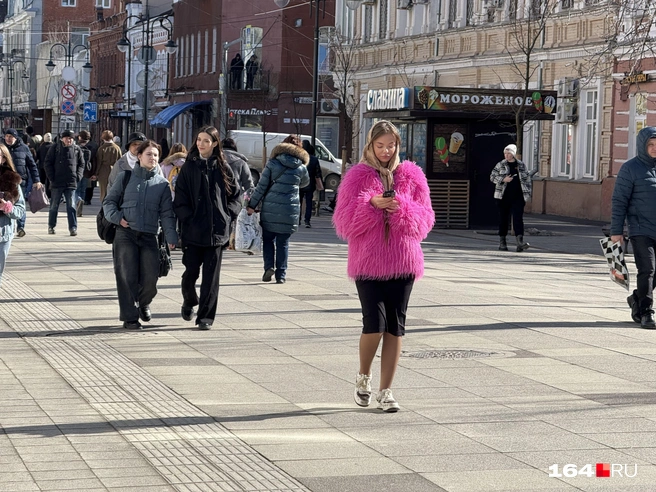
<point x="138" y="209"/>
<point x="12" y="204"/>
<point x="206" y="202"/>
<point x="278" y="190"/>
<point x="512" y="190"/>
<point x="384" y="212"/>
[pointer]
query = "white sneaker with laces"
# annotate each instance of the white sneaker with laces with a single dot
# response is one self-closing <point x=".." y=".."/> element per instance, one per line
<point x="362" y="393"/>
<point x="386" y="401"/>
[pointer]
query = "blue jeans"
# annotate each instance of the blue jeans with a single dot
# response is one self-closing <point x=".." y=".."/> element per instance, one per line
<point x="280" y="251"/>
<point x="20" y="223"/>
<point x="4" y="251"/>
<point x="69" y="196"/>
<point x="81" y="190"/>
<point x="136" y="266"/>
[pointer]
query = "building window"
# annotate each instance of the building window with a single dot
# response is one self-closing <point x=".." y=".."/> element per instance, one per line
<point x="69" y="3"/>
<point x="590" y="101"/>
<point x="382" y="19"/>
<point x="563" y="150"/>
<point x="512" y="10"/>
<point x="637" y="119"/>
<point x="206" y="53"/>
<point x="104" y="4"/>
<point x="249" y="122"/>
<point x="214" y="45"/>
<point x="79" y="35"/>
<point x="368" y="23"/>
<point x="566" y="4"/>
<point x="470" y="12"/>
<point x="453" y="10"/>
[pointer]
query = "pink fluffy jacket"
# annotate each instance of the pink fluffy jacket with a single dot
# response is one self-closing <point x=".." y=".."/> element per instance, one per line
<point x="370" y="255"/>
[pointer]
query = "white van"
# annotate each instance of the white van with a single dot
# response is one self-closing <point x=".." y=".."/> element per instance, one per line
<point x="251" y="144"/>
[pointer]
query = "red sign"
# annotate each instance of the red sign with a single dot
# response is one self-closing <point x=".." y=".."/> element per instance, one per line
<point x="68" y="91"/>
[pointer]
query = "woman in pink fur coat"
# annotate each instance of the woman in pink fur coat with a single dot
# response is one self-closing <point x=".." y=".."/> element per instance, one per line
<point x="384" y="212"/>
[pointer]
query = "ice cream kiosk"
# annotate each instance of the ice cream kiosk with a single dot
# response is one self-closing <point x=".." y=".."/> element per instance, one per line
<point x="457" y="135"/>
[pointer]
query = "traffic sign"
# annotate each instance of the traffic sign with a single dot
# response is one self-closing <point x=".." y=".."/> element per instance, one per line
<point x="68" y="107"/>
<point x="91" y="112"/>
<point x="66" y="119"/>
<point x="68" y="91"/>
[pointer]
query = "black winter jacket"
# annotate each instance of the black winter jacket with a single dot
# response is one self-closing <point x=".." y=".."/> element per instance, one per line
<point x="203" y="206"/>
<point x="314" y="170"/>
<point x="23" y="161"/>
<point x="634" y="196"/>
<point x="64" y="165"/>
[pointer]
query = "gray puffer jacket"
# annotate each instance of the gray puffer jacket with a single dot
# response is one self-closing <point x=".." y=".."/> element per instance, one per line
<point x="281" y="206"/>
<point x="634" y="196"/>
<point x="239" y="165"/>
<point x="146" y="202"/>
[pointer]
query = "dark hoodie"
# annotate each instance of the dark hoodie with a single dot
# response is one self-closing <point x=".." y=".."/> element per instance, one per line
<point x="634" y="196"/>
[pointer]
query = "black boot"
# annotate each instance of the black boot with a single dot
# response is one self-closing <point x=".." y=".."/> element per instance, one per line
<point x="521" y="245"/>
<point x="503" y="246"/>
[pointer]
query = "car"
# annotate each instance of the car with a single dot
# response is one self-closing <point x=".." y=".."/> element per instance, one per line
<point x="251" y="144"/>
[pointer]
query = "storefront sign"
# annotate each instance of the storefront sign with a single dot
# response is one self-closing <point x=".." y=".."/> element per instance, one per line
<point x="634" y="79"/>
<point x="386" y="99"/>
<point x="485" y="100"/>
<point x="255" y="112"/>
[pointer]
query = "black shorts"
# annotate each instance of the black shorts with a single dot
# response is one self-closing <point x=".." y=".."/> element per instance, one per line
<point x="384" y="304"/>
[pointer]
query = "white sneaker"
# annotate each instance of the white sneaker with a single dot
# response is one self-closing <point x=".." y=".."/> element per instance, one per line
<point x="362" y="393"/>
<point x="386" y="401"/>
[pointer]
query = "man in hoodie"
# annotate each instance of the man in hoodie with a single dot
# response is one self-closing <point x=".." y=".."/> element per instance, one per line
<point x="634" y="201"/>
<point x="129" y="159"/>
<point x="25" y="166"/>
<point x="64" y="166"/>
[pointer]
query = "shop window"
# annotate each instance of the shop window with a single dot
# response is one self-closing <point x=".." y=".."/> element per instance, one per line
<point x="531" y="145"/>
<point x="563" y="150"/>
<point x="249" y="122"/>
<point x="328" y="133"/>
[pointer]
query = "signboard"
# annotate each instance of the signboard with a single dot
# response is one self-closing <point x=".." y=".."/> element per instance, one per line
<point x="64" y="120"/>
<point x="68" y="107"/>
<point x="68" y="91"/>
<point x="486" y="100"/>
<point x="255" y="112"/>
<point x="91" y="112"/>
<point x="388" y="99"/>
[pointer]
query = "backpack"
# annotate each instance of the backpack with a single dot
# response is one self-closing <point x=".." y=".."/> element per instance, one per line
<point x="106" y="229"/>
<point x="173" y="176"/>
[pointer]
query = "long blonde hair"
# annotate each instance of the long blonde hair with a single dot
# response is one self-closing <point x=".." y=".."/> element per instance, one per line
<point x="8" y="161"/>
<point x="381" y="128"/>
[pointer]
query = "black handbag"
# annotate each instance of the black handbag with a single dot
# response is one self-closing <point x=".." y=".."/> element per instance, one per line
<point x="165" y="264"/>
<point x="107" y="230"/>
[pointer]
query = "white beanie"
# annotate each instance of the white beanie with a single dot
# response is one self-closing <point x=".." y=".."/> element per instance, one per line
<point x="512" y="148"/>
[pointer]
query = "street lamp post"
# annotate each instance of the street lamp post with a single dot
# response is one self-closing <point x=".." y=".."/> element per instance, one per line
<point x="10" y="64"/>
<point x="68" y="72"/>
<point x="147" y="53"/>
<point x="314" y="10"/>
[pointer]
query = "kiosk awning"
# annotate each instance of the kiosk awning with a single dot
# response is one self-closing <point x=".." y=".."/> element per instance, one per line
<point x="165" y="118"/>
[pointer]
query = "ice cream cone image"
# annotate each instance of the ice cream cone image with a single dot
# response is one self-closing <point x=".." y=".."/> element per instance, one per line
<point x="456" y="142"/>
<point x="422" y="96"/>
<point x="549" y="104"/>
<point x="432" y="97"/>
<point x="442" y="150"/>
<point x="537" y="100"/>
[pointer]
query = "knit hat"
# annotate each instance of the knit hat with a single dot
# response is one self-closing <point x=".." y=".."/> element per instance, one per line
<point x="12" y="132"/>
<point x="512" y="148"/>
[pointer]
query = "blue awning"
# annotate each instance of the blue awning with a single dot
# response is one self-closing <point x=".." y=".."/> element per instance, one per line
<point x="165" y="118"/>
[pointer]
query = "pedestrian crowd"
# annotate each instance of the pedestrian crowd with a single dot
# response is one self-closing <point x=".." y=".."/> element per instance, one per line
<point x="190" y="199"/>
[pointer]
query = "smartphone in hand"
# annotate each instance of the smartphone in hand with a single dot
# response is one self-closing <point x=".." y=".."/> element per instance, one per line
<point x="389" y="194"/>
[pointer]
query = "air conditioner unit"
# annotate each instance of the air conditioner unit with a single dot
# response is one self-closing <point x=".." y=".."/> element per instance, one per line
<point x="568" y="87"/>
<point x="330" y="106"/>
<point x="567" y="112"/>
<point x="404" y="4"/>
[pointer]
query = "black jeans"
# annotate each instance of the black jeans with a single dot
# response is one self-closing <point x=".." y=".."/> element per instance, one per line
<point x="644" y="248"/>
<point x="136" y="266"/>
<point x="210" y="259"/>
<point x="516" y="209"/>
<point x="307" y="196"/>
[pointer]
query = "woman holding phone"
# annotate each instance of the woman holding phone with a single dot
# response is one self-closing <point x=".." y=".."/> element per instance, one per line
<point x="12" y="204"/>
<point x="512" y="190"/>
<point x="384" y="212"/>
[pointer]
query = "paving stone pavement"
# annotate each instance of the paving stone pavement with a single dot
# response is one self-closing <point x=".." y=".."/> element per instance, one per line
<point x="512" y="363"/>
